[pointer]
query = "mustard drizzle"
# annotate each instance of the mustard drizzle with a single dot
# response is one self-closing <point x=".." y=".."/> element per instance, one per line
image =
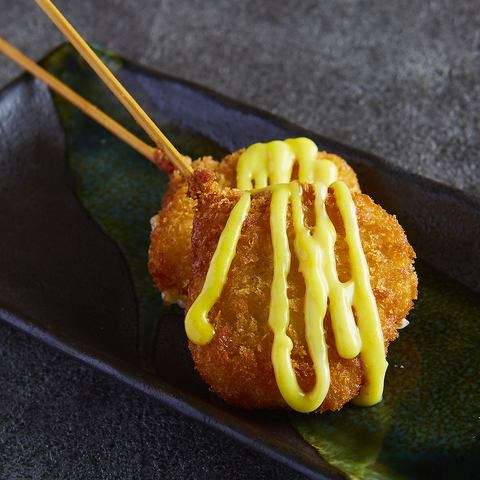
<point x="199" y="329"/>
<point x="263" y="165"/>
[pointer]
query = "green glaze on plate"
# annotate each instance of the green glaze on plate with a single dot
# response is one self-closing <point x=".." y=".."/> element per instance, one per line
<point x="118" y="187"/>
<point x="429" y="419"/>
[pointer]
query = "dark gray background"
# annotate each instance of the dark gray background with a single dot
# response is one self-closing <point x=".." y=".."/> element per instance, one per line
<point x="400" y="79"/>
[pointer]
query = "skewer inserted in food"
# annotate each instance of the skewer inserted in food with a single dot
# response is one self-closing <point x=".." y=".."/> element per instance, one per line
<point x="308" y="330"/>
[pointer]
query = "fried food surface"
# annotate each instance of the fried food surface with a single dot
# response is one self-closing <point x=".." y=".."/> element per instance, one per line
<point x="170" y="239"/>
<point x="237" y="362"/>
<point x="170" y="243"/>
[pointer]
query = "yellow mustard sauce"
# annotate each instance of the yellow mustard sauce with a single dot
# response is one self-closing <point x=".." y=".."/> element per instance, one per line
<point x="198" y="328"/>
<point x="271" y="165"/>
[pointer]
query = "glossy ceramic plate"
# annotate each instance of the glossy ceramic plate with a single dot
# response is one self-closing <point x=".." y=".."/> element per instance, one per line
<point x="75" y="205"/>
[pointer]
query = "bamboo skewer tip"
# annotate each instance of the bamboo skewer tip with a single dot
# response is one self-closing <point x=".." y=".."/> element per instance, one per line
<point x="115" y="86"/>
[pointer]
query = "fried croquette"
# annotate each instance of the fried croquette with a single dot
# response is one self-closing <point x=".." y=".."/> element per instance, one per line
<point x="169" y="261"/>
<point x="237" y="362"/>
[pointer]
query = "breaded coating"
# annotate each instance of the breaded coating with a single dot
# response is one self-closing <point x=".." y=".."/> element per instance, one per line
<point x="237" y="362"/>
<point x="169" y="254"/>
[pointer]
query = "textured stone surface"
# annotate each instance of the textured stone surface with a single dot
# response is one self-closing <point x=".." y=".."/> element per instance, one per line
<point x="400" y="79"/>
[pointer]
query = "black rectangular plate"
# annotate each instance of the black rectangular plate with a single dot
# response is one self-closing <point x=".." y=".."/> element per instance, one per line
<point x="48" y="292"/>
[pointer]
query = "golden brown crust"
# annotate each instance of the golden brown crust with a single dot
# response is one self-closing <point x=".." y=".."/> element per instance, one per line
<point x="170" y="242"/>
<point x="170" y="239"/>
<point x="236" y="363"/>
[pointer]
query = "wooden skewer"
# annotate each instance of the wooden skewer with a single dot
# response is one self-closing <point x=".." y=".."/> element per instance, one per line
<point x="115" y="86"/>
<point x="84" y="105"/>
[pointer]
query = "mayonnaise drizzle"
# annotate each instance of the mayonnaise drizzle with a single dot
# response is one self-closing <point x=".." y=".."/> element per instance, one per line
<point x="198" y="328"/>
<point x="272" y="164"/>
